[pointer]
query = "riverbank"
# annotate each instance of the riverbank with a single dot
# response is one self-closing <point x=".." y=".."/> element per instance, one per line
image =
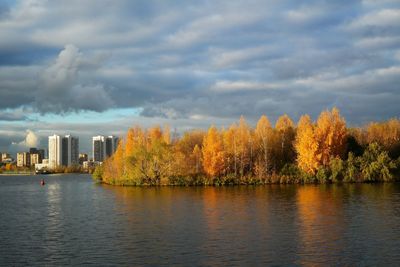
<point x="17" y="173"/>
<point x="230" y="181"/>
<point x="39" y="174"/>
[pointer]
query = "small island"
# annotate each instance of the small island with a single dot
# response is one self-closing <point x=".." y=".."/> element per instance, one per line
<point x="324" y="151"/>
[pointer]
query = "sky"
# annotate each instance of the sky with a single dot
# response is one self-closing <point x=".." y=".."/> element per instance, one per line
<point x="101" y="66"/>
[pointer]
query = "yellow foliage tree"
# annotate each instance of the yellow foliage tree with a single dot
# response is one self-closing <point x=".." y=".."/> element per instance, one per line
<point x="385" y="133"/>
<point x="187" y="160"/>
<point x="213" y="153"/>
<point x="330" y="134"/>
<point x="263" y="134"/>
<point x="230" y="148"/>
<point x="306" y="146"/>
<point x="196" y="155"/>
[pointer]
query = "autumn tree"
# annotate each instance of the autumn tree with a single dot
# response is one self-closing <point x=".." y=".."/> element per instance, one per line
<point x="307" y="146"/>
<point x="317" y="144"/>
<point x="231" y="150"/>
<point x="187" y="160"/>
<point x="167" y="134"/>
<point x="284" y="142"/>
<point x="197" y="157"/>
<point x="386" y="134"/>
<point x="263" y="134"/>
<point x="114" y="168"/>
<point x="244" y="146"/>
<point x="213" y="153"/>
<point x="330" y="133"/>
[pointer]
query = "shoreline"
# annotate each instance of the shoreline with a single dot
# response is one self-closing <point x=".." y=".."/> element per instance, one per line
<point x="16" y="174"/>
<point x="240" y="184"/>
<point x="39" y="174"/>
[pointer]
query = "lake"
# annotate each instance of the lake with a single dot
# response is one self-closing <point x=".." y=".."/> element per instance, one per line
<point x="73" y="221"/>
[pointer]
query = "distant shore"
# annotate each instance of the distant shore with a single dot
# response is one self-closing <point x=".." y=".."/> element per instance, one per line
<point x="39" y="174"/>
<point x="16" y="174"/>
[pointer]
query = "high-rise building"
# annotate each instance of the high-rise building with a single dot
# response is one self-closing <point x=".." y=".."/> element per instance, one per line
<point x="63" y="151"/>
<point x="23" y="159"/>
<point x="74" y="148"/>
<point x="35" y="159"/>
<point x="55" y="147"/>
<point x="98" y="148"/>
<point x="111" y="145"/>
<point x="103" y="147"/>
<point x="34" y="150"/>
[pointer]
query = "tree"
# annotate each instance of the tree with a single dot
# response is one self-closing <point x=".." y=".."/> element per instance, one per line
<point x="330" y="134"/>
<point x="196" y="155"/>
<point x="351" y="171"/>
<point x="213" y="153"/>
<point x="244" y="146"/>
<point x="286" y="134"/>
<point x="263" y="133"/>
<point x="167" y="134"/>
<point x="376" y="164"/>
<point x="187" y="161"/>
<point x="386" y="134"/>
<point x="231" y="150"/>
<point x="307" y="146"/>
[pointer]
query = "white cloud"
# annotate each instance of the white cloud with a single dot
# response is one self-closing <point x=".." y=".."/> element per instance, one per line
<point x="368" y="82"/>
<point x="305" y="14"/>
<point x="229" y="86"/>
<point x="384" y="17"/>
<point x="379" y="42"/>
<point x="31" y="140"/>
<point x="236" y="57"/>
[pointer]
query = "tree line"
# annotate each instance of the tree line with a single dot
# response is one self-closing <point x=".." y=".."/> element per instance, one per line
<point x="321" y="151"/>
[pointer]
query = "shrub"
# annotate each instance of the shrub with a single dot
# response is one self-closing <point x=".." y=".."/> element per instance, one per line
<point x="323" y="175"/>
<point x="376" y="164"/>
<point x="98" y="173"/>
<point x="336" y="169"/>
<point x="351" y="169"/>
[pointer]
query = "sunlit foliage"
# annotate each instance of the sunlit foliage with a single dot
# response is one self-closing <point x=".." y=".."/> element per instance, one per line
<point x="323" y="151"/>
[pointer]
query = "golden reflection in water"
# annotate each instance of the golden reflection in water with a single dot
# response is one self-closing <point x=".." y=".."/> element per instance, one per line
<point x="210" y="209"/>
<point x="321" y="223"/>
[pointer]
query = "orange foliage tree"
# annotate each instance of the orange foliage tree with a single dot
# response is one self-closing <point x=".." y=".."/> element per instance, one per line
<point x="317" y="144"/>
<point x="330" y="134"/>
<point x="306" y="145"/>
<point x="213" y="153"/>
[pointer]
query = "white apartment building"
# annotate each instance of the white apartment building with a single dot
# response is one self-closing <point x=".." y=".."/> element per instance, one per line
<point x="63" y="151"/>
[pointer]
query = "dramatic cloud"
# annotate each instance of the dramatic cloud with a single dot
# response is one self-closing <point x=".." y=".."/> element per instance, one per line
<point x="185" y="62"/>
<point x="60" y="88"/>
<point x="31" y="140"/>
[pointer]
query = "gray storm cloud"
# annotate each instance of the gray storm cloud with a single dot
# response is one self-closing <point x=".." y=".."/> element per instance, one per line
<point x="63" y="86"/>
<point x="200" y="59"/>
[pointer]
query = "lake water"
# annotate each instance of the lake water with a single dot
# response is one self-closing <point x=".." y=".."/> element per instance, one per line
<point x="73" y="221"/>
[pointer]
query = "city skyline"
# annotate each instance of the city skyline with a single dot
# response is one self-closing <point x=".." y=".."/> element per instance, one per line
<point x="78" y="67"/>
<point x="42" y="147"/>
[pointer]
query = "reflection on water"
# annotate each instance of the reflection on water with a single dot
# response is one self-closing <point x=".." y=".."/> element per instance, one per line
<point x="321" y="224"/>
<point x="72" y="221"/>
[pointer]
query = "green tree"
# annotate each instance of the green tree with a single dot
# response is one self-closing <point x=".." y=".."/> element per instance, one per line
<point x="376" y="164"/>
